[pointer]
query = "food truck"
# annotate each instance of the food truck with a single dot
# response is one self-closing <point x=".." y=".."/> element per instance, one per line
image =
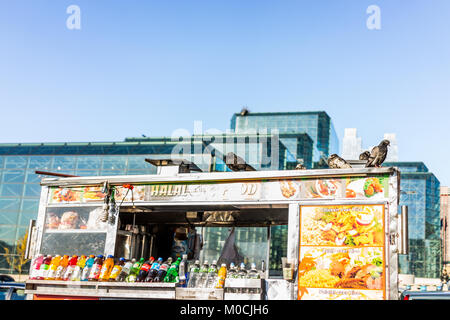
<point x="319" y="234"/>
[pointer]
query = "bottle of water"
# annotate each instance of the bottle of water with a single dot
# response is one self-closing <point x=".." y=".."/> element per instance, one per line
<point x="194" y="275"/>
<point x="203" y="274"/>
<point x="231" y="274"/>
<point x="212" y="275"/>
<point x="242" y="274"/>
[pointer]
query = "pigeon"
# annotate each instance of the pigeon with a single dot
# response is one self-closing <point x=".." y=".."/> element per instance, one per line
<point x="300" y="167"/>
<point x="378" y="154"/>
<point x="364" y="156"/>
<point x="336" y="162"/>
<point x="244" y="111"/>
<point x="236" y="163"/>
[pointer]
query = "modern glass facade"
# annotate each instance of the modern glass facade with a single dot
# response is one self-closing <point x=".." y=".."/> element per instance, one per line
<point x="317" y="125"/>
<point x="420" y="192"/>
<point x="20" y="186"/>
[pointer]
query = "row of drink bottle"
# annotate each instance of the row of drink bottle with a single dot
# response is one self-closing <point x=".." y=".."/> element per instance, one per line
<point x="91" y="268"/>
<point x="209" y="276"/>
<point x="98" y="268"/>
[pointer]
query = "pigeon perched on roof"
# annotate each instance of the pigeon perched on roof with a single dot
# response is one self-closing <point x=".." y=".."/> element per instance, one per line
<point x="336" y="162"/>
<point x="364" y="156"/>
<point x="236" y="163"/>
<point x="378" y="154"/>
<point x="244" y="111"/>
<point x="300" y="167"/>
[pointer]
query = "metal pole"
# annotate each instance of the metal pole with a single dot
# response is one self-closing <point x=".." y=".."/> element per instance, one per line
<point x="404" y="227"/>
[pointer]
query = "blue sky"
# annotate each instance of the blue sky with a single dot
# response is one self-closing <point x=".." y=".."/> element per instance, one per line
<point x="151" y="67"/>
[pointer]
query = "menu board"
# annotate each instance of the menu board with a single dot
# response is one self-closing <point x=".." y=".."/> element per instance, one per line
<point x="341" y="253"/>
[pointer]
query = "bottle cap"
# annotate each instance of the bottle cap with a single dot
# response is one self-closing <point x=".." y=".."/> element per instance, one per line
<point x="224" y="265"/>
<point x="122" y="259"/>
<point x="110" y="256"/>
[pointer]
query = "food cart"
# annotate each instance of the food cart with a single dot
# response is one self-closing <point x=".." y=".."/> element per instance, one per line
<point x="340" y="235"/>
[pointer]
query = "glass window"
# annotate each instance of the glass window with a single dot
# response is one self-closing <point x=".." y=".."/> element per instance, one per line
<point x="11" y="190"/>
<point x="39" y="162"/>
<point x="32" y="190"/>
<point x="137" y="162"/>
<point x="13" y="176"/>
<point x="30" y="206"/>
<point x="86" y="173"/>
<point x="114" y="163"/>
<point x="14" y="162"/>
<point x="63" y="162"/>
<point x="2" y="161"/>
<point x="8" y="234"/>
<point x="32" y="177"/>
<point x="8" y="217"/>
<point x="251" y="244"/>
<point x="25" y="217"/>
<point x="89" y="162"/>
<point x="9" y="205"/>
<point x="112" y="172"/>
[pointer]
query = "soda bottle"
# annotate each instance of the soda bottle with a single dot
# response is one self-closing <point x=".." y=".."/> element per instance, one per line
<point x="51" y="274"/>
<point x="163" y="268"/>
<point x="211" y="278"/>
<point x="76" y="275"/>
<point x="125" y="270"/>
<point x="117" y="270"/>
<point x="172" y="272"/>
<point x="106" y="268"/>
<point x="62" y="267"/>
<point x="70" y="268"/>
<point x="232" y="274"/>
<point x="221" y="276"/>
<point x="153" y="272"/>
<point x="43" y="268"/>
<point x="135" y="270"/>
<point x="145" y="268"/>
<point x="194" y="274"/>
<point x="36" y="266"/>
<point x="182" y="271"/>
<point x="96" y="268"/>
<point x="87" y="268"/>
<point x="253" y="273"/>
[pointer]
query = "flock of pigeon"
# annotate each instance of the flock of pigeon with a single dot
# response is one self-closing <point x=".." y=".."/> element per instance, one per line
<point x="374" y="158"/>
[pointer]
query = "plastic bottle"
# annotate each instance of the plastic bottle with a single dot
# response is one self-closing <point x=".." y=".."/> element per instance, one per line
<point x="43" y="268"/>
<point x="232" y="273"/>
<point x="172" y="273"/>
<point x="163" y="268"/>
<point x="211" y="278"/>
<point x="87" y="268"/>
<point x="253" y="273"/>
<point x="117" y="270"/>
<point x="242" y="273"/>
<point x="96" y="268"/>
<point x="36" y="265"/>
<point x="125" y="270"/>
<point x="183" y="271"/>
<point x="107" y="267"/>
<point x="70" y="268"/>
<point x="145" y="268"/>
<point x="134" y="271"/>
<point x="152" y="273"/>
<point x="193" y="274"/>
<point x="62" y="267"/>
<point x="51" y="274"/>
<point x="76" y="275"/>
<point x="203" y="274"/>
<point x="221" y="276"/>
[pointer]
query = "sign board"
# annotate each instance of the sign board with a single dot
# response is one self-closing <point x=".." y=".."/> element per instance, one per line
<point x="341" y="253"/>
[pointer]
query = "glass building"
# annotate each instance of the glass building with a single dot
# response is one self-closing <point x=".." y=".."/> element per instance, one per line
<point x="420" y="192"/>
<point x="20" y="185"/>
<point x="316" y="124"/>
